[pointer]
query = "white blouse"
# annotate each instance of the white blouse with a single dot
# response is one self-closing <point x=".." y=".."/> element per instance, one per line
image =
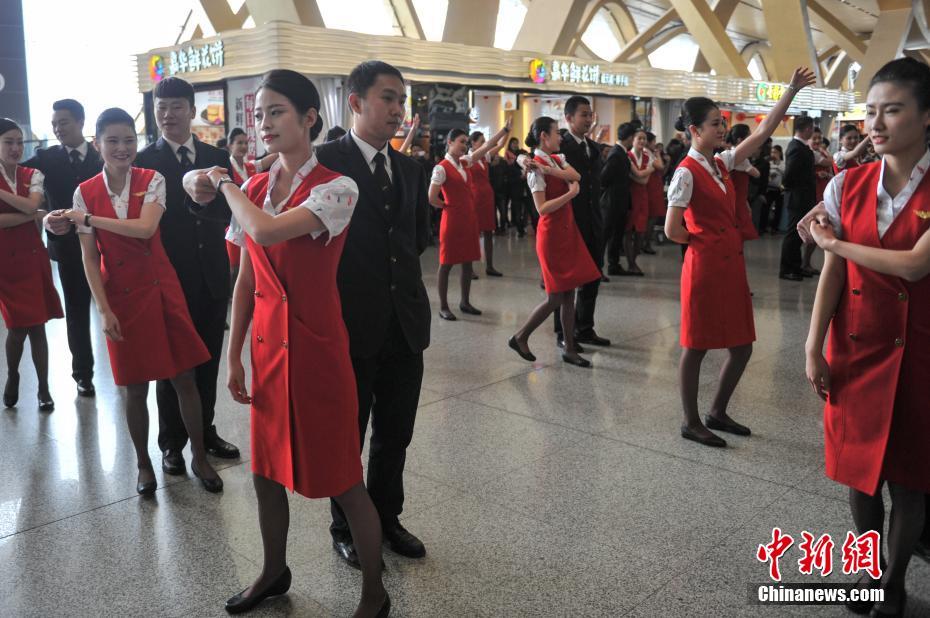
<point x="36" y="184"/>
<point x="154" y="194"/>
<point x="240" y="170"/>
<point x="439" y="172"/>
<point x="332" y="202"/>
<point x="537" y="180"/>
<point x="888" y="208"/>
<point x="682" y="185"/>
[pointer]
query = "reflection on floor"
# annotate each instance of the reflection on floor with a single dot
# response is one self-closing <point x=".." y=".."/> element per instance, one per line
<point x="538" y="489"/>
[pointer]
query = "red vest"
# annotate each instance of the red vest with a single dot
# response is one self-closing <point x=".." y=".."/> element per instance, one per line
<point x="741" y="188"/>
<point x="879" y="344"/>
<point x="25" y="236"/>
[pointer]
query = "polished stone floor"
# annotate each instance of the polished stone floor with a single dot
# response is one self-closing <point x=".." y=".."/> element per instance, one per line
<point x="539" y="490"/>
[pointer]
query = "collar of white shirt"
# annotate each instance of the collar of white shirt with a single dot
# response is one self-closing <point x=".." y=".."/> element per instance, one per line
<point x="124" y="194"/>
<point x="81" y="149"/>
<point x="917" y="174"/>
<point x="580" y="140"/>
<point x="545" y="156"/>
<point x="697" y="156"/>
<point x="622" y="147"/>
<point x="302" y="173"/>
<point x="369" y="151"/>
<point x="189" y="144"/>
<point x="451" y="159"/>
<point x="800" y="140"/>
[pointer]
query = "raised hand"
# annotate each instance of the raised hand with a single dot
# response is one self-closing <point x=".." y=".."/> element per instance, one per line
<point x="802" y="78"/>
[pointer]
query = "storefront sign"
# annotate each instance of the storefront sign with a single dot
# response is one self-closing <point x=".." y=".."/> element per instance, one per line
<point x="194" y="58"/>
<point x="575" y="73"/>
<point x="769" y="93"/>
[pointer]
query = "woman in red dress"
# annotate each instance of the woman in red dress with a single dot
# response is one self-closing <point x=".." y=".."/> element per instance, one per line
<point x="656" y="190"/>
<point x="716" y="308"/>
<point x="290" y="224"/>
<point x="565" y="261"/>
<point x="27" y="295"/>
<point x="149" y="331"/>
<point x="458" y="229"/>
<point x="641" y="169"/>
<point x="483" y="196"/>
<point x="874" y="295"/>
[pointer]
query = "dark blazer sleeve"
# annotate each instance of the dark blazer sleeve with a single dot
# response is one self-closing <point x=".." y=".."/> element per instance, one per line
<point x="795" y="162"/>
<point x="217" y="210"/>
<point x="36" y="161"/>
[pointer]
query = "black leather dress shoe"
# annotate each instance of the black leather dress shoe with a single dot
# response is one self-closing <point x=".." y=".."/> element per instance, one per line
<point x="791" y="277"/>
<point x="85" y="388"/>
<point x="593" y="339"/>
<point x="445" y="314"/>
<point x="729" y="426"/>
<point x="214" y="486"/>
<point x="345" y="549"/>
<point x="469" y="310"/>
<point x="400" y="541"/>
<point x="615" y="270"/>
<point x="172" y="462"/>
<point x="11" y="391"/>
<point x="711" y="440"/>
<point x="576" y="361"/>
<point x="527" y="356"/>
<point x="490" y="272"/>
<point x="46" y="404"/>
<point x="560" y="341"/>
<point x="218" y="447"/>
<point x="240" y="604"/>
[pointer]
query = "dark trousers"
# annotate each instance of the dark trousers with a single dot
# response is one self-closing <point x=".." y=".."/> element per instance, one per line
<point x="517" y="211"/>
<point x="586" y="300"/>
<point x="77" y="316"/>
<point x="614" y="227"/>
<point x="388" y="387"/>
<point x="209" y="317"/>
<point x="791" y="244"/>
<point x="774" y="201"/>
<point x="500" y="204"/>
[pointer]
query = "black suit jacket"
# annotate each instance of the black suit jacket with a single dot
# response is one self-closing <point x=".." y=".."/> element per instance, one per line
<point x="800" y="177"/>
<point x="586" y="205"/>
<point x="616" y="181"/>
<point x="61" y="180"/>
<point x="193" y="236"/>
<point x="379" y="274"/>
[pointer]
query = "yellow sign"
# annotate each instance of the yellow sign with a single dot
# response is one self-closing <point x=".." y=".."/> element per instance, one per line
<point x="769" y="93"/>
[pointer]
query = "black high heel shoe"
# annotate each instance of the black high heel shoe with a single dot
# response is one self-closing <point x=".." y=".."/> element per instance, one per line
<point x="385" y="610"/>
<point x="46" y="404"/>
<point x="148" y="487"/>
<point x="11" y="391"/>
<point x="240" y="604"/>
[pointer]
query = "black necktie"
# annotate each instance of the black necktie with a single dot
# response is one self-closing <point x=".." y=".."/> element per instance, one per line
<point x="383" y="180"/>
<point x="186" y="162"/>
<point x="75" y="158"/>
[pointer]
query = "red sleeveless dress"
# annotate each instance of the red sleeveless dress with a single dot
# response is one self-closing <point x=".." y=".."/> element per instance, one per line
<point x="482" y="195"/>
<point x="827" y="169"/>
<point x="304" y="402"/>
<point x="639" y="197"/>
<point x="458" y="229"/>
<point x="876" y="421"/>
<point x="232" y="249"/>
<point x="716" y="307"/>
<point x="27" y="293"/>
<point x="656" y="190"/>
<point x="159" y="339"/>
<point x="563" y="257"/>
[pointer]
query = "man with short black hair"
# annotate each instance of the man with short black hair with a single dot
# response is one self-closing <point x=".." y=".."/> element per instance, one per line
<point x="801" y="191"/>
<point x="65" y="167"/>
<point x="195" y="241"/>
<point x="384" y="302"/>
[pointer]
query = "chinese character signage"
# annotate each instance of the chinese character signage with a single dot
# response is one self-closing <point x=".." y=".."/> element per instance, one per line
<point x="190" y="59"/>
<point x="574" y="73"/>
<point x="768" y="93"/>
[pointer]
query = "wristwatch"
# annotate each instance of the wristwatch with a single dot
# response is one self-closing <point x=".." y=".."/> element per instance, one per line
<point x="87" y="217"/>
<point x="222" y="181"/>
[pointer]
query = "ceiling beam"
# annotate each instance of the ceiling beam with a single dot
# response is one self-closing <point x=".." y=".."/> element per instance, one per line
<point x="635" y="44"/>
<point x="837" y="31"/>
<point x="789" y="33"/>
<point x="711" y="37"/>
<point x="724" y="11"/>
<point x="471" y="22"/>
<point x="406" y="15"/>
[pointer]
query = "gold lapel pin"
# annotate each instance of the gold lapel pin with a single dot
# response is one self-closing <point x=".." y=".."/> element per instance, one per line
<point x="923" y="214"/>
<point x="139" y="194"/>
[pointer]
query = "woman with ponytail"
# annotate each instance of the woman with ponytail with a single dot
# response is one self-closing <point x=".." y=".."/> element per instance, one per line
<point x="563" y="257"/>
<point x="483" y="195"/>
<point x="716" y="308"/>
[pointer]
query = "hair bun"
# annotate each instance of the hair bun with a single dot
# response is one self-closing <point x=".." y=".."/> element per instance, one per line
<point x="530" y="140"/>
<point x="680" y="124"/>
<point x="317" y="127"/>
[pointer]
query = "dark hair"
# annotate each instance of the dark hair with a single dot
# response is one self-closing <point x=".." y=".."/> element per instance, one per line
<point x="627" y="130"/>
<point x="910" y="72"/>
<point x="111" y="116"/>
<point x="297" y="89"/>
<point x="335" y="133"/>
<point x="541" y="125"/>
<point x="8" y="125"/>
<point x="848" y="128"/>
<point x="474" y="137"/>
<point x="70" y="105"/>
<point x="366" y="74"/>
<point x="826" y="143"/>
<point x="233" y="134"/>
<point x="802" y="123"/>
<point x="571" y="106"/>
<point x="738" y="133"/>
<point x="650" y="136"/>
<point x="174" y="88"/>
<point x="694" y="112"/>
<point x="817" y="129"/>
<point x="454" y="134"/>
<point x="222" y="143"/>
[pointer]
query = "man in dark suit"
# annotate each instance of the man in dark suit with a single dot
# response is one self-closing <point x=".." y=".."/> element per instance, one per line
<point x="384" y="301"/>
<point x="65" y="167"/>
<point x="194" y="239"/>
<point x="615" y="195"/>
<point x="583" y="154"/>
<point x="801" y="195"/>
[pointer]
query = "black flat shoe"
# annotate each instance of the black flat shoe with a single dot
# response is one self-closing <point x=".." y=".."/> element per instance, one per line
<point x="859" y="606"/>
<point x="46" y="404"/>
<point x="809" y="272"/>
<point x="172" y="462"/>
<point x="729" y="426"/>
<point x="385" y="610"/>
<point x="559" y="341"/>
<point x="240" y="604"/>
<point x="146" y="488"/>
<point x="527" y="356"/>
<point x="577" y="362"/>
<point x="615" y="270"/>
<point x="649" y="251"/>
<point x="218" y="447"/>
<point x="445" y="314"/>
<point x="11" y="392"/>
<point x="791" y="277"/>
<point x="712" y="440"/>
<point x="493" y="273"/>
<point x="85" y="388"/>
<point x="469" y="310"/>
<point x="214" y="486"/>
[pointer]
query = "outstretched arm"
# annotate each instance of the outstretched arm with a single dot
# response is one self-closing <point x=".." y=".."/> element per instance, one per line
<point x="492" y="142"/>
<point x="911" y="264"/>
